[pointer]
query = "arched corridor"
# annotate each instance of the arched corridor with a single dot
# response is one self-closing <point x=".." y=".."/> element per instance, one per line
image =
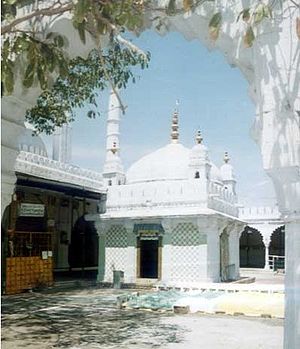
<point x="277" y="249"/>
<point x="252" y="249"/>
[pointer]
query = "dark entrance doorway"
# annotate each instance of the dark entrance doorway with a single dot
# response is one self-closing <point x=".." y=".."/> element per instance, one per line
<point x="252" y="249"/>
<point x="277" y="242"/>
<point x="277" y="249"/>
<point x="149" y="259"/>
<point x="83" y="250"/>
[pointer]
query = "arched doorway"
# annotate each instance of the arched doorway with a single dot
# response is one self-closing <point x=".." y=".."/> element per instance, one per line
<point x="252" y="249"/>
<point x="83" y="250"/>
<point x="277" y="249"/>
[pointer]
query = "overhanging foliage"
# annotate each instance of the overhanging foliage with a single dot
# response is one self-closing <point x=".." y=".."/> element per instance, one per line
<point x="39" y="57"/>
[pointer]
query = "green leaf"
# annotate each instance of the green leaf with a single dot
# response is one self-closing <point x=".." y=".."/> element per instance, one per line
<point x="246" y="15"/>
<point x="259" y="13"/>
<point x="62" y="65"/>
<point x="20" y="44"/>
<point x="262" y="11"/>
<point x="41" y="76"/>
<point x="91" y="114"/>
<point x="5" y="50"/>
<point x="32" y="52"/>
<point x="249" y="37"/>
<point x="215" y="21"/>
<point x="48" y="54"/>
<point x="214" y="26"/>
<point x="80" y="11"/>
<point x="7" y="77"/>
<point x="59" y="41"/>
<point x="81" y="31"/>
<point x="29" y="75"/>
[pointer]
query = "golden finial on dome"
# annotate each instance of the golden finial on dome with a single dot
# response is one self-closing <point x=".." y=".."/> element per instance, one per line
<point x="175" y="133"/>
<point x="199" y="137"/>
<point x="226" y="157"/>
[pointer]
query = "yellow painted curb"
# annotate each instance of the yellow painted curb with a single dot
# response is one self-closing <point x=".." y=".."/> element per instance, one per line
<point x="252" y="304"/>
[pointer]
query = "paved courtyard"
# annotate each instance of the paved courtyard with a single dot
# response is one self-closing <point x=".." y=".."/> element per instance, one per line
<point x="89" y="319"/>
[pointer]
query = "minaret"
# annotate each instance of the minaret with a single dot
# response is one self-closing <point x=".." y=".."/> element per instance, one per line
<point x="227" y="173"/>
<point x="62" y="144"/>
<point x="113" y="171"/>
<point x="174" y="132"/>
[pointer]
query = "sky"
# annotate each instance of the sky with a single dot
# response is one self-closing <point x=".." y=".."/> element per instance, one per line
<point x="212" y="97"/>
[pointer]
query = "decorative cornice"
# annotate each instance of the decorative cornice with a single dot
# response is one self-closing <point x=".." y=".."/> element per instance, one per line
<point x="261" y="215"/>
<point x="43" y="167"/>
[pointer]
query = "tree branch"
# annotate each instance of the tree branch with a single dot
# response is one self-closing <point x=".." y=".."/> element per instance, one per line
<point x="294" y="2"/>
<point x="123" y="41"/>
<point x="49" y="11"/>
<point x="123" y="108"/>
<point x="130" y="45"/>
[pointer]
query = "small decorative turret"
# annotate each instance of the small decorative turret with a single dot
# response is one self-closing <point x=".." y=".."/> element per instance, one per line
<point x="199" y="164"/>
<point x="175" y="133"/>
<point x="227" y="173"/>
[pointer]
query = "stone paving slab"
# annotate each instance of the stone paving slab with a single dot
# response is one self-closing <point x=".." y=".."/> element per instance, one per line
<point x="89" y="319"/>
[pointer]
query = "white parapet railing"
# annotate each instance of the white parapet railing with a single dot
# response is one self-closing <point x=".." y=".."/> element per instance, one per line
<point x="276" y="262"/>
<point x="261" y="212"/>
<point x="43" y="167"/>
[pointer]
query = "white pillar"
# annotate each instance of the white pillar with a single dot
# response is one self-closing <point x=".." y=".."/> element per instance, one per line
<point x="266" y="230"/>
<point x="276" y="64"/>
<point x="101" y="228"/>
<point x="213" y="230"/>
<point x="234" y="247"/>
<point x="130" y="267"/>
<point x="267" y="244"/>
<point x="292" y="283"/>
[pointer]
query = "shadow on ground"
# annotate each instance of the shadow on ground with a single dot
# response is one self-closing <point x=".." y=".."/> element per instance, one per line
<point x="81" y="319"/>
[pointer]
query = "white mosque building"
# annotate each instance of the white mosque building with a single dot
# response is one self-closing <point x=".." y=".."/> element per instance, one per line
<point x="172" y="217"/>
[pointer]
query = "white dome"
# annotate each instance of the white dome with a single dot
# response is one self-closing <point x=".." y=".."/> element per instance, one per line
<point x="32" y="144"/>
<point x="169" y="162"/>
